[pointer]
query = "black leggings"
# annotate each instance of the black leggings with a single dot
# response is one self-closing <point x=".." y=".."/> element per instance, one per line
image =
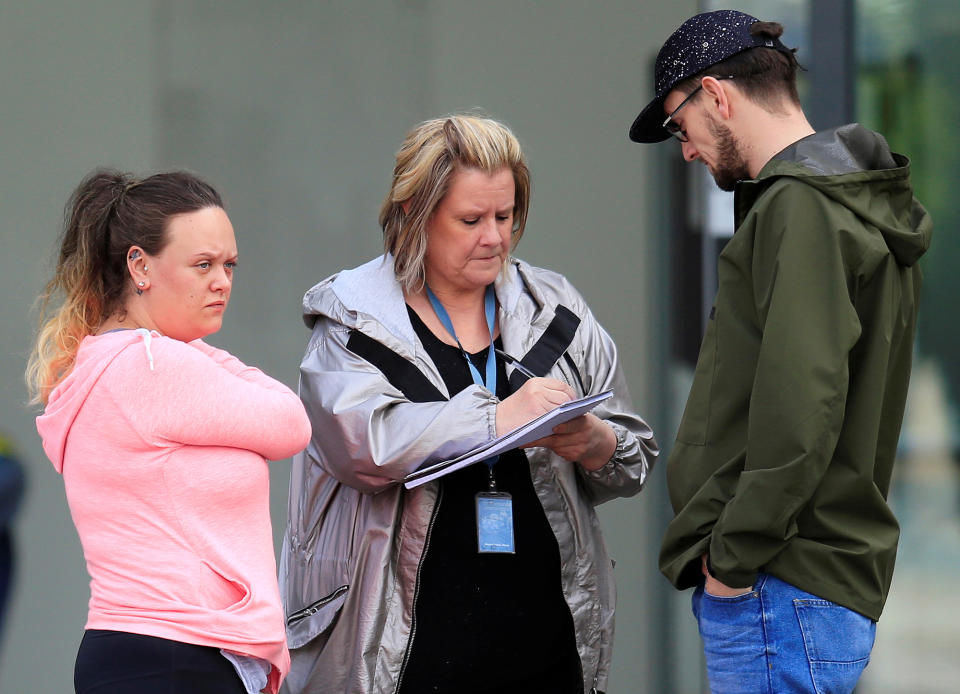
<point x="115" y="662"/>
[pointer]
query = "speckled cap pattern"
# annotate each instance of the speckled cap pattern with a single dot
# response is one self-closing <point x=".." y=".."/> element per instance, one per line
<point x="701" y="41"/>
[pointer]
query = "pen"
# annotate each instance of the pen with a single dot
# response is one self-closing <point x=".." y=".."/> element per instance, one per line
<point x="515" y="363"/>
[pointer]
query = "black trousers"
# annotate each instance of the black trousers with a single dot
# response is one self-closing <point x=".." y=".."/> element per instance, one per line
<point x="116" y="662"/>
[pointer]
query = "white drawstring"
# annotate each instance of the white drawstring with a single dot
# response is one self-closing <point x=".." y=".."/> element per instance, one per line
<point x="147" y="336"/>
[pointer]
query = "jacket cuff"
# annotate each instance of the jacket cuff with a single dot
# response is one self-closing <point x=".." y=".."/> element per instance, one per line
<point x="608" y="468"/>
<point x="732" y="579"/>
<point x="492" y="418"/>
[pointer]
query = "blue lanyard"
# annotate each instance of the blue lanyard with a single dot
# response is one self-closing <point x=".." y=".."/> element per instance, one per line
<point x="490" y="383"/>
<point x="490" y="305"/>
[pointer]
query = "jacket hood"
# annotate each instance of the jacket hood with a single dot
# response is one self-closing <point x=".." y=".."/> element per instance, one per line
<point x="95" y="354"/>
<point x="354" y="296"/>
<point x="855" y="167"/>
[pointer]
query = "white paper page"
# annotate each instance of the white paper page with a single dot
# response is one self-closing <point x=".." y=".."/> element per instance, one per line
<point x="531" y="431"/>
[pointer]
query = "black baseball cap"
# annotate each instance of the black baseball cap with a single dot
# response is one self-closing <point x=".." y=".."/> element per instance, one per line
<point x="701" y="41"/>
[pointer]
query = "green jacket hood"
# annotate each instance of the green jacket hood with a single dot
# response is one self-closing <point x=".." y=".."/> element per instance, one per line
<point x="855" y="167"/>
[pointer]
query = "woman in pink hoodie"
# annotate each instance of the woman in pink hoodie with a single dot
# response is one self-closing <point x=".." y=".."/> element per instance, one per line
<point x="162" y="442"/>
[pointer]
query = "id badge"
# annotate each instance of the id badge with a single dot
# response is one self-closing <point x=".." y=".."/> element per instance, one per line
<point x="495" y="523"/>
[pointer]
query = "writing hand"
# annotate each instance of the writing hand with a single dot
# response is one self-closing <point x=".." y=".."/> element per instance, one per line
<point x="535" y="397"/>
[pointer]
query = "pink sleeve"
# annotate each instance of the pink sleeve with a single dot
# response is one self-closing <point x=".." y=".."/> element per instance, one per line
<point x="236" y="367"/>
<point x="199" y="398"/>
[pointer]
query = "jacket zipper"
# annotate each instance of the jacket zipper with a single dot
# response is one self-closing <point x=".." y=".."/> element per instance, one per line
<point x="315" y="607"/>
<point x="416" y="589"/>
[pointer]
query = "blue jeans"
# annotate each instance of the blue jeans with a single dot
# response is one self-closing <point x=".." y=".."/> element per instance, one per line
<point x="778" y="639"/>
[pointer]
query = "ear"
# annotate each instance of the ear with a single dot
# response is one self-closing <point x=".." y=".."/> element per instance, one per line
<point x="405" y="205"/>
<point x="137" y="266"/>
<point x="721" y="98"/>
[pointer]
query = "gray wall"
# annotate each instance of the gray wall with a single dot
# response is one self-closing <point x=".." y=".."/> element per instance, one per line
<point x="294" y="111"/>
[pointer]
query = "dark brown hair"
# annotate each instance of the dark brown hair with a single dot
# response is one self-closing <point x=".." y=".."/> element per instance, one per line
<point x="107" y="213"/>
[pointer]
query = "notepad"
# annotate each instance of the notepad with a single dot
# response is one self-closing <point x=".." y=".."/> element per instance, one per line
<point x="531" y="431"/>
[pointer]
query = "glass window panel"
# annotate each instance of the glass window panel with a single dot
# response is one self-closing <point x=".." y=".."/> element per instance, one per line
<point x="908" y="70"/>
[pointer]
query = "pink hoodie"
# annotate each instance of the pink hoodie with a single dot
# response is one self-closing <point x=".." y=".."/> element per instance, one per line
<point x="161" y="445"/>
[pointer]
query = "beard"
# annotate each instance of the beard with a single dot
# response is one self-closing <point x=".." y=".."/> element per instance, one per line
<point x="731" y="167"/>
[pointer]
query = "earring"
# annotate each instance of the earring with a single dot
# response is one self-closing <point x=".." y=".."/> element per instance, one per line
<point x="145" y="268"/>
<point x="141" y="283"/>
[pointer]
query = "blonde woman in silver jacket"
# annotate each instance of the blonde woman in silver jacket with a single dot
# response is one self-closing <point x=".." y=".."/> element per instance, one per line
<point x="385" y="588"/>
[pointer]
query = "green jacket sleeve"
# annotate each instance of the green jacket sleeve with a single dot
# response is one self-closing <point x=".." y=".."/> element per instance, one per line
<point x="803" y="289"/>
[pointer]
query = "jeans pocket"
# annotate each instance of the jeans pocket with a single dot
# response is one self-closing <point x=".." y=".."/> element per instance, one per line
<point x="838" y="642"/>
<point x="733" y="641"/>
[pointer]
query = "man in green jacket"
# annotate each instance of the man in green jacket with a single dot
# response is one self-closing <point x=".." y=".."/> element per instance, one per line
<point x="780" y="472"/>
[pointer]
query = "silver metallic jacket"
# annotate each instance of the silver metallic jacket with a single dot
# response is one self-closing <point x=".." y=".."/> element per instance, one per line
<point x="355" y="537"/>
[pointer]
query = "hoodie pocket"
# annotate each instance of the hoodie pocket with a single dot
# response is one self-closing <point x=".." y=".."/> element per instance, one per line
<point x="696" y="415"/>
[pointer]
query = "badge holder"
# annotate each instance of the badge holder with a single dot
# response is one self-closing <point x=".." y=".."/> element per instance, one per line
<point x="494" y="519"/>
<point x="494" y="509"/>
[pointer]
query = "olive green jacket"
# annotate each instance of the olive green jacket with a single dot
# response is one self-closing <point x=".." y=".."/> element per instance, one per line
<point x="784" y="454"/>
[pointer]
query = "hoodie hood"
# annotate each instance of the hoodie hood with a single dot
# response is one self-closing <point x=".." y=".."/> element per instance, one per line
<point x="855" y="167"/>
<point x="94" y="356"/>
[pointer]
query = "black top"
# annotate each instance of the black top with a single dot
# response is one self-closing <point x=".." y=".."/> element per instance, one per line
<point x="486" y="623"/>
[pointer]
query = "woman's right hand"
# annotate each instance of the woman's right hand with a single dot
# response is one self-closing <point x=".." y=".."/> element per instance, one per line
<point x="535" y="397"/>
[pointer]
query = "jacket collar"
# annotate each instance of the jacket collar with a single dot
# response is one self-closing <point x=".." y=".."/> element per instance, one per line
<point x="371" y="292"/>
